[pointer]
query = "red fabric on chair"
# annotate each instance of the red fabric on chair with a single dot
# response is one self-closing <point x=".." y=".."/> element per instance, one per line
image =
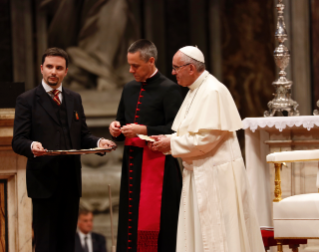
<point x="268" y="239"/>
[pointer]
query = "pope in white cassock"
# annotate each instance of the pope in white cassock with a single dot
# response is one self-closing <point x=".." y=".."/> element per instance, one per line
<point x="216" y="209"/>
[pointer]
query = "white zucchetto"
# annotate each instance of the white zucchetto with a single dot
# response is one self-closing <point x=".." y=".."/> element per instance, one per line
<point x="193" y="52"/>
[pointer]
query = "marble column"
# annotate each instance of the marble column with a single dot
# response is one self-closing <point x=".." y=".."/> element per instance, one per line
<point x="300" y="55"/>
<point x="22" y="42"/>
<point x="12" y="169"/>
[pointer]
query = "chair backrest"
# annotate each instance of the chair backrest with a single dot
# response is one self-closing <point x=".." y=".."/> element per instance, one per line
<point x="278" y="158"/>
<point x="293" y="156"/>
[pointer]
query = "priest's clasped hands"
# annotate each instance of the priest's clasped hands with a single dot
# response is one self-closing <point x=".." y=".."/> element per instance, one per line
<point x="128" y="130"/>
<point x="162" y="143"/>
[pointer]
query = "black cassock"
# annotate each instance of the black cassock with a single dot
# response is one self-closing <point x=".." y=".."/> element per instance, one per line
<point x="154" y="104"/>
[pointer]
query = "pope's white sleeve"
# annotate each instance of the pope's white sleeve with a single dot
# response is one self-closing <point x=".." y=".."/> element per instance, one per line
<point x="196" y="144"/>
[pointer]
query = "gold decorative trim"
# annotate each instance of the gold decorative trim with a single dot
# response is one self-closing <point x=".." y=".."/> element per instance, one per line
<point x="279" y="245"/>
<point x="277" y="183"/>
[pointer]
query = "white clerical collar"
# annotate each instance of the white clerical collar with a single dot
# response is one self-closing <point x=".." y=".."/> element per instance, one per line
<point x="48" y="88"/>
<point x="82" y="235"/>
<point x="155" y="72"/>
<point x="198" y="81"/>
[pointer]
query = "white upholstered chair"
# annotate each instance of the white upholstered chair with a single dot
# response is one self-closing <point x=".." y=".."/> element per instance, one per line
<point x="295" y="217"/>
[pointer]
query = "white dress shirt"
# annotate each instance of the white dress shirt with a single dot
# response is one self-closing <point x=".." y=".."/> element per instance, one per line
<point x="48" y="89"/>
<point x="88" y="240"/>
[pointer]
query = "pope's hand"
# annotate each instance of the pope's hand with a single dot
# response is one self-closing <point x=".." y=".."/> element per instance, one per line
<point x="115" y="129"/>
<point x="130" y="130"/>
<point x="37" y="149"/>
<point x="150" y="144"/>
<point x="162" y="143"/>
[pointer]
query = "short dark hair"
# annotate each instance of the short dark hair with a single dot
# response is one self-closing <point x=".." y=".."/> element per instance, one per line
<point x="146" y="48"/>
<point x="55" y="51"/>
<point x="83" y="211"/>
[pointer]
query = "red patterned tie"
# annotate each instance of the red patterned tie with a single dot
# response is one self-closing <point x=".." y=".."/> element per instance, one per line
<point x="56" y="98"/>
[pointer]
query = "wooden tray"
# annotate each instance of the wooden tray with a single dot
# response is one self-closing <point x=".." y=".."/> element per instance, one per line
<point x="78" y="152"/>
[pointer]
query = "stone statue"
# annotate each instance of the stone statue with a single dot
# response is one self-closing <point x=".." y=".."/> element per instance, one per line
<point x="96" y="34"/>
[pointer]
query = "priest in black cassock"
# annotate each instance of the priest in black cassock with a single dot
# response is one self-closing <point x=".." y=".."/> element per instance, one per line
<point x="151" y="182"/>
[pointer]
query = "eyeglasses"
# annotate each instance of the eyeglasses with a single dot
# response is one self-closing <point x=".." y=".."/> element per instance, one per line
<point x="176" y="68"/>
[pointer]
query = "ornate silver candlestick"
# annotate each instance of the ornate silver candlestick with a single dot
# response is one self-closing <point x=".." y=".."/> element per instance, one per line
<point x="282" y="100"/>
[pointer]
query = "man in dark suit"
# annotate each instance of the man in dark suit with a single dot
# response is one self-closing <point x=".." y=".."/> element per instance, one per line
<point x="85" y="240"/>
<point x="52" y="117"/>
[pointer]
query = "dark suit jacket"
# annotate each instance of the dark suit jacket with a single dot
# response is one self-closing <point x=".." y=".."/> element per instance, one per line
<point x="36" y="120"/>
<point x="99" y="243"/>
